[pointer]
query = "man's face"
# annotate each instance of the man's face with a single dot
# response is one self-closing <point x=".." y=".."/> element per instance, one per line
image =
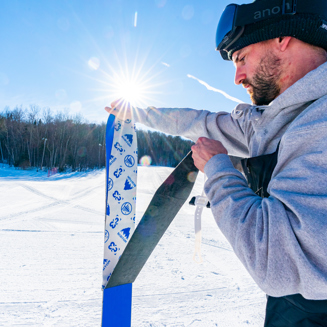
<point x="258" y="69"/>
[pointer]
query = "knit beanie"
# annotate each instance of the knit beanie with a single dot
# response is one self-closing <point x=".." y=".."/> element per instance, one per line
<point x="309" y="28"/>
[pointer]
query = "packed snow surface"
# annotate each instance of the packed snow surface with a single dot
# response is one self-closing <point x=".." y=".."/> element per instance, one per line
<point x="51" y="231"/>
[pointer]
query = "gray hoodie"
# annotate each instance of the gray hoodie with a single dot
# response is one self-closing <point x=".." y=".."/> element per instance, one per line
<point x="281" y="240"/>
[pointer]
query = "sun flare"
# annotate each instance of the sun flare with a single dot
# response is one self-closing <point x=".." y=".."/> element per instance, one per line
<point x="130" y="90"/>
<point x="134" y="80"/>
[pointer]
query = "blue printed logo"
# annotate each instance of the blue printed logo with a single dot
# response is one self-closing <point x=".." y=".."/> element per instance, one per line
<point x="126" y="208"/>
<point x="105" y="263"/>
<point x="116" y="196"/>
<point x="129" y="161"/>
<point x="118" y="126"/>
<point x="112" y="160"/>
<point x="108" y="210"/>
<point x="106" y="236"/>
<point x="118" y="172"/>
<point x="110" y="184"/>
<point x="118" y="147"/>
<point x="114" y="223"/>
<point x="129" y="184"/>
<point x="128" y="138"/>
<point x="124" y="234"/>
<point x="127" y="121"/>
<point x="113" y="247"/>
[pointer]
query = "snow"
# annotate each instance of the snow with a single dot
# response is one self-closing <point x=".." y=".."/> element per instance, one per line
<point x="51" y="231"/>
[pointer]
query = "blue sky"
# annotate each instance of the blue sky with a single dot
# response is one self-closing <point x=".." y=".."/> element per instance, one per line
<point x="69" y="55"/>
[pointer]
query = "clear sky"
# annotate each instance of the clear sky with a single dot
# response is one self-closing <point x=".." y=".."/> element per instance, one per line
<point x="72" y="54"/>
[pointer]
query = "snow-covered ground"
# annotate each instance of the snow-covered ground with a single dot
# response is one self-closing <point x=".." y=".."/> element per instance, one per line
<point x="51" y="231"/>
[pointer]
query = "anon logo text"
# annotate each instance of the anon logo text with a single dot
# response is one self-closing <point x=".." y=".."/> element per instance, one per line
<point x="268" y="12"/>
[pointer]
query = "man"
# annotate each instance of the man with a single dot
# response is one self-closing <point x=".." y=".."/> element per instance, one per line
<point x="276" y="218"/>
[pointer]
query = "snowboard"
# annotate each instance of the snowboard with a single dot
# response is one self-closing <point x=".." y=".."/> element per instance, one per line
<point x="121" y="176"/>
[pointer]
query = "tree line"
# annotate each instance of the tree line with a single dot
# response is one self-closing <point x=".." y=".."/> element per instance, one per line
<point x="32" y="137"/>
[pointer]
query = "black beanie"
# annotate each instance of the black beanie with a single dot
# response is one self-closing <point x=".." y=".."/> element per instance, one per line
<point x="308" y="28"/>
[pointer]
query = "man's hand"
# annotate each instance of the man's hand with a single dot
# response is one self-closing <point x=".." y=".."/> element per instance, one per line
<point x="121" y="109"/>
<point x="204" y="149"/>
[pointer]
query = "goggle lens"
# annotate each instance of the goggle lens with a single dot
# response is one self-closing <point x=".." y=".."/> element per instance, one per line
<point x="225" y="24"/>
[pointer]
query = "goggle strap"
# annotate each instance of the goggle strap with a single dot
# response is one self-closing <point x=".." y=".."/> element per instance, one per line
<point x="262" y="10"/>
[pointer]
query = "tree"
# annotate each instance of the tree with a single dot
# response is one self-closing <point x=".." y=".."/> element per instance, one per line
<point x="31" y="139"/>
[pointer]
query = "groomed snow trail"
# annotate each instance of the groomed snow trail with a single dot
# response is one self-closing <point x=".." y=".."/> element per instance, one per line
<point x="51" y="233"/>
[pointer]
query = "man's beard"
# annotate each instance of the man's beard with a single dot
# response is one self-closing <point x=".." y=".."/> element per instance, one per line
<point x="264" y="85"/>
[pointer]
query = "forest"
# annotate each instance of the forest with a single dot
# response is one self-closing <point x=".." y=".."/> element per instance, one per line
<point x="31" y="137"/>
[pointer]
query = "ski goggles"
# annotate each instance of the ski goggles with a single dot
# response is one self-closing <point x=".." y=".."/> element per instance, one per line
<point x="227" y="31"/>
<point x="235" y="17"/>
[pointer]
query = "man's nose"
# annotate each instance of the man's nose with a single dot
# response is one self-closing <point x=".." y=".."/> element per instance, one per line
<point x="239" y="75"/>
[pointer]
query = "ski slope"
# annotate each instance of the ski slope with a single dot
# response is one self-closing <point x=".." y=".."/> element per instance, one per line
<point x="51" y="231"/>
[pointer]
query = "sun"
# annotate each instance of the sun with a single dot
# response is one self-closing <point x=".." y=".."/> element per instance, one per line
<point x="135" y="80"/>
<point x="130" y="89"/>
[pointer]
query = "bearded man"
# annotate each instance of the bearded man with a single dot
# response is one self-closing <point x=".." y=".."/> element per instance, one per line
<point x="275" y="217"/>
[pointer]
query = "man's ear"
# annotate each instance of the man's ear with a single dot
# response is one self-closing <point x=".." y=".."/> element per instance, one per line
<point x="283" y="42"/>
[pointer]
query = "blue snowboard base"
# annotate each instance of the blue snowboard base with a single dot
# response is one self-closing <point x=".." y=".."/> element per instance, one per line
<point x="117" y="306"/>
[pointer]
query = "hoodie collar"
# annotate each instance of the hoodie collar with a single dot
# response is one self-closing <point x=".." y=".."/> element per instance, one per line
<point x="309" y="88"/>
